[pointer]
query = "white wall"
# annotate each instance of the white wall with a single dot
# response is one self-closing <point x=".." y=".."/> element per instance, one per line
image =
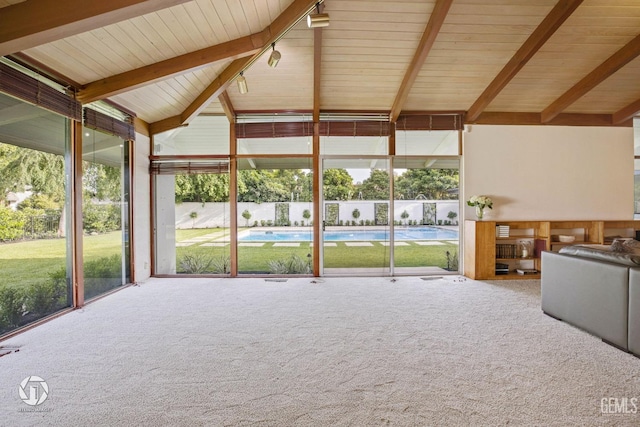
<point x="141" y="210"/>
<point x="213" y="215"/>
<point x="550" y="172"/>
<point x="165" y="212"/>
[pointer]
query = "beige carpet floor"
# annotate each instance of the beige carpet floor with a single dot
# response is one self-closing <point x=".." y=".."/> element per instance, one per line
<point x="337" y="352"/>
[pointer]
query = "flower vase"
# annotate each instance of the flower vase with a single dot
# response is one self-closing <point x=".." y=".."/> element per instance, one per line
<point x="479" y="212"/>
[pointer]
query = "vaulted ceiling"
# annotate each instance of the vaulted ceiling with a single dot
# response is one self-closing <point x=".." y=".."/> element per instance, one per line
<point x="496" y="61"/>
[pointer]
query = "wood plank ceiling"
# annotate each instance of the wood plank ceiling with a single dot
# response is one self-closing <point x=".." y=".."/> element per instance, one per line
<point x="497" y="61"/>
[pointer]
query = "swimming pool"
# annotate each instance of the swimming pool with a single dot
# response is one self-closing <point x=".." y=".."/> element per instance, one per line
<point x="421" y="233"/>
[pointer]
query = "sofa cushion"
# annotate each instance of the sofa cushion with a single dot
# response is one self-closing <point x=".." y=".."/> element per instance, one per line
<point x="602" y="253"/>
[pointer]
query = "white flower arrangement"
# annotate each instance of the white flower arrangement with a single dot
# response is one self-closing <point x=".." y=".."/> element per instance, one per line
<point x="480" y="202"/>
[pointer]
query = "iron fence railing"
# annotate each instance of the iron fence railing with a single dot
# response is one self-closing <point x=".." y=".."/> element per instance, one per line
<point x="40" y="226"/>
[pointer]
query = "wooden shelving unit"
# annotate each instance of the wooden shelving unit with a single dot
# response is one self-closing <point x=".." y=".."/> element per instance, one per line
<point x="480" y="240"/>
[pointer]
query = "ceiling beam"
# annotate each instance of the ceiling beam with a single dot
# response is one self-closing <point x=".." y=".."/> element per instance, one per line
<point x="227" y="106"/>
<point x="34" y="22"/>
<point x="616" y="61"/>
<point x="278" y="28"/>
<point x="626" y="113"/>
<point x="317" y="72"/>
<point x="141" y="126"/>
<point x="564" y="119"/>
<point x="558" y="15"/>
<point x="215" y="89"/>
<point x="152" y="73"/>
<point x="436" y="20"/>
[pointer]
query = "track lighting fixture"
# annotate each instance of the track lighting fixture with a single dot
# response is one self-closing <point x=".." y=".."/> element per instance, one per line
<point x="318" y="19"/>
<point x="275" y="56"/>
<point x="242" y="84"/>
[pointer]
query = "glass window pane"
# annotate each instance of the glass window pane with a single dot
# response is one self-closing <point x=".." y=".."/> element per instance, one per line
<point x="426" y="215"/>
<point x="105" y="208"/>
<point x="34" y="259"/>
<point x="437" y="143"/>
<point x="275" y="206"/>
<point x="192" y="223"/>
<point x="356" y="216"/>
<point x="204" y="135"/>
<point x="292" y="145"/>
<point x="358" y="145"/>
<point x="636" y="187"/>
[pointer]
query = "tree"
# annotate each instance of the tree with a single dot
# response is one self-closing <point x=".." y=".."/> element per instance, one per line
<point x="202" y="188"/>
<point x="261" y="186"/>
<point x="452" y="216"/>
<point x="376" y="187"/>
<point x="432" y="184"/>
<point x="23" y="168"/>
<point x="247" y="216"/>
<point x="101" y="182"/>
<point x="404" y="215"/>
<point x="306" y="214"/>
<point x="337" y="184"/>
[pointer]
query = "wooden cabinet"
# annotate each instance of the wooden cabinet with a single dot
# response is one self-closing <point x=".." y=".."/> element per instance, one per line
<point x="484" y="248"/>
<point x="583" y="232"/>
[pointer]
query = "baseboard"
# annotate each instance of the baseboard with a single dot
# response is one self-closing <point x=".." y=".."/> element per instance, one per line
<point x="616" y="346"/>
<point x="551" y="315"/>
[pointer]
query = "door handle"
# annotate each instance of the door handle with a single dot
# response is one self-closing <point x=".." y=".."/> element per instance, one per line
<point x="324" y="223"/>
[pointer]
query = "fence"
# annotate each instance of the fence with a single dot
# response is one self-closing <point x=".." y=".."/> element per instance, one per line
<point x="40" y="226"/>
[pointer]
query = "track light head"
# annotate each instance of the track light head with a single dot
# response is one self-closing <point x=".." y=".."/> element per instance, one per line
<point x="318" y="20"/>
<point x="242" y="84"/>
<point x="274" y="58"/>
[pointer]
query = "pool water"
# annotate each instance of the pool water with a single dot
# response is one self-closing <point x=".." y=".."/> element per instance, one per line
<point x="422" y="233"/>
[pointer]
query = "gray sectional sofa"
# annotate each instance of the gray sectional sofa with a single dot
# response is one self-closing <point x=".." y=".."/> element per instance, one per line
<point x="596" y="290"/>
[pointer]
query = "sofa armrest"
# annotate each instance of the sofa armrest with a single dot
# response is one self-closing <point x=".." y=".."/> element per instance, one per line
<point x="592" y="295"/>
<point x="634" y="311"/>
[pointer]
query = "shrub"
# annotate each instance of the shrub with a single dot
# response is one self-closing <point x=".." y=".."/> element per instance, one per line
<point x="255" y="223"/>
<point x="306" y="214"/>
<point x="11" y="224"/>
<point x="296" y="223"/>
<point x="452" y="261"/>
<point x="263" y="222"/>
<point x="196" y="263"/>
<point x="361" y="222"/>
<point x="11" y="305"/>
<point x="292" y="265"/>
<point x="102" y="274"/>
<point x="367" y="222"/>
<point x="100" y="218"/>
<point x="46" y="297"/>
<point x="269" y="223"/>
<point x="221" y="264"/>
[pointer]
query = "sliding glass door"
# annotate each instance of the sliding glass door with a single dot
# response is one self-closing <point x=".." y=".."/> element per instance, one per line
<point x="356" y="216"/>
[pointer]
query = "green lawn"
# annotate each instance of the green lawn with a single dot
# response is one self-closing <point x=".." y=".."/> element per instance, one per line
<point x="256" y="259"/>
<point x="26" y="263"/>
